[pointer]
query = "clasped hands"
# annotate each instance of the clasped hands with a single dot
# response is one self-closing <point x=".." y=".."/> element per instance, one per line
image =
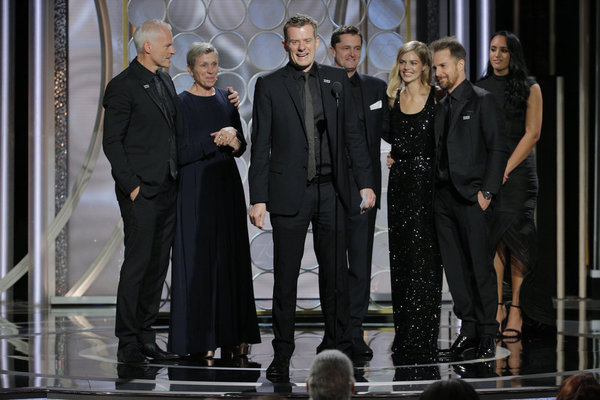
<point x="227" y="137"/>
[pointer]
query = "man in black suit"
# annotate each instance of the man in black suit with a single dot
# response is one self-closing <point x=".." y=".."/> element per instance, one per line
<point x="370" y="104"/>
<point x="140" y="128"/>
<point x="298" y="172"/>
<point x="471" y="155"/>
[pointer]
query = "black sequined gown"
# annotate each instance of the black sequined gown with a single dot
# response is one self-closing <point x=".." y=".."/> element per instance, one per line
<point x="415" y="263"/>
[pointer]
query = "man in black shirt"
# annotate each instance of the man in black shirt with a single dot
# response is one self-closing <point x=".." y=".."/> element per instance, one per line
<point x="371" y="107"/>
<point x="298" y="172"/>
<point x="471" y="156"/>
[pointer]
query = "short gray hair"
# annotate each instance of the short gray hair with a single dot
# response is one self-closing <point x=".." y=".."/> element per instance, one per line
<point x="198" y="49"/>
<point x="146" y="32"/>
<point x="331" y="376"/>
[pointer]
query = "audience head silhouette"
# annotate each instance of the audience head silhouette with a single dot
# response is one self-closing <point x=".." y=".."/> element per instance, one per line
<point x="582" y="386"/>
<point x="330" y="377"/>
<point x="453" y="389"/>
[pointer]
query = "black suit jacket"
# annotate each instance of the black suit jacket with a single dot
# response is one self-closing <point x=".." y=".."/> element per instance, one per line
<point x="376" y="111"/>
<point x="278" y="169"/>
<point x="137" y="133"/>
<point x="477" y="151"/>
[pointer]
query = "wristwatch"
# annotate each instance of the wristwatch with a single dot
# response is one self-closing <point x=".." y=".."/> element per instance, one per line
<point x="487" y="195"/>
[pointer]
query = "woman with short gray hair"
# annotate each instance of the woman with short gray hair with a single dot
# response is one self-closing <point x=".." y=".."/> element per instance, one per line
<point x="212" y="300"/>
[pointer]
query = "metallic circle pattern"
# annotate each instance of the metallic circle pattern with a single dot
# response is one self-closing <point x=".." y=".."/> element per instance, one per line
<point x="186" y="15"/>
<point x="139" y="11"/>
<point x="381" y="258"/>
<point x="248" y="133"/>
<point x="242" y="166"/>
<point x="381" y="289"/>
<point x="383" y="48"/>
<point x="225" y="79"/>
<point x="354" y="14"/>
<point x="265" y="50"/>
<point x="385" y="75"/>
<point x="381" y="222"/>
<point x="385" y="171"/>
<point x="266" y="20"/>
<point x="182" y="81"/>
<point x="387" y="14"/>
<point x="182" y="43"/>
<point x="232" y="50"/>
<point x="131" y="50"/>
<point x="315" y="8"/>
<point x="323" y="55"/>
<point x="308" y="280"/>
<point x="252" y="84"/>
<point x="219" y="13"/>
<point x="261" y="250"/>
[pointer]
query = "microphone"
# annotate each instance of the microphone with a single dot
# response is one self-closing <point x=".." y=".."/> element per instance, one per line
<point x="336" y="89"/>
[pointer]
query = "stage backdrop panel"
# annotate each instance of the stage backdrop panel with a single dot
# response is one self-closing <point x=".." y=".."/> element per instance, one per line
<point x="248" y="35"/>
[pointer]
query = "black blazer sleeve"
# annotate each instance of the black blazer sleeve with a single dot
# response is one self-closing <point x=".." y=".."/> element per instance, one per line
<point x="118" y="108"/>
<point x="261" y="144"/>
<point x="355" y="142"/>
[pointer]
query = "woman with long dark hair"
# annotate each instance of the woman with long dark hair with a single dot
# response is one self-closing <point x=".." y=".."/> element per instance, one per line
<point x="513" y="233"/>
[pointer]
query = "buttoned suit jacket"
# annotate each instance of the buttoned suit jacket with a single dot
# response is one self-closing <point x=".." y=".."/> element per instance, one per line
<point x="137" y="132"/>
<point x="279" y="153"/>
<point x="477" y="151"/>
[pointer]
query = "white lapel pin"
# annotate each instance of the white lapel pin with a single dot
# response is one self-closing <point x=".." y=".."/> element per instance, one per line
<point x="146" y="86"/>
<point x="326" y="81"/>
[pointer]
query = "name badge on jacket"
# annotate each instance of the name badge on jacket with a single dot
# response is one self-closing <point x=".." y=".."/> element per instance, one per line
<point x="375" y="106"/>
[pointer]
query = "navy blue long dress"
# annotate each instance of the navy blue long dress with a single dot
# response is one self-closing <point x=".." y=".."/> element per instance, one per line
<point x="212" y="299"/>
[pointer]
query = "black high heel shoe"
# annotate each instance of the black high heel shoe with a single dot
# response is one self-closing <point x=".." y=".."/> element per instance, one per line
<point x="517" y="333"/>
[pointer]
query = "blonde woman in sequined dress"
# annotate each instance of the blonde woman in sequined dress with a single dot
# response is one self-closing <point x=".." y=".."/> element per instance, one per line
<point x="416" y="270"/>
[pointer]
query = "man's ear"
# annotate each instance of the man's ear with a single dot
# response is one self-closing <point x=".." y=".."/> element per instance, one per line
<point x="461" y="65"/>
<point x="285" y="46"/>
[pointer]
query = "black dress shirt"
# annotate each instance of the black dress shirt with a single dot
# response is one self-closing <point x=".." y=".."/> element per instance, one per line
<point x="322" y="154"/>
<point x="442" y="173"/>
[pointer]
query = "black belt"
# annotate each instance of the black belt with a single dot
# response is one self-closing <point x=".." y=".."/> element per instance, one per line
<point x="320" y="179"/>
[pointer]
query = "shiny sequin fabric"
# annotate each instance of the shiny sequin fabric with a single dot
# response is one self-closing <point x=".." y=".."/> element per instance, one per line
<point x="416" y="270"/>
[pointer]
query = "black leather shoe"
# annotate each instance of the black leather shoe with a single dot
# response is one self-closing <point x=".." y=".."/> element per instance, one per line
<point x="131" y="354"/>
<point x="487" y="347"/>
<point x="361" y="350"/>
<point x="461" y="345"/>
<point x="279" y="370"/>
<point x="151" y="350"/>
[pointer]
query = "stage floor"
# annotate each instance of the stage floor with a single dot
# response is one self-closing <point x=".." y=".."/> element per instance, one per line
<point x="66" y="353"/>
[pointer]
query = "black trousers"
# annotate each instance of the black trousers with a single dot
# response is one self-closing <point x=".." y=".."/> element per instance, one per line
<point x="149" y="226"/>
<point x="289" y="235"/>
<point x="463" y="236"/>
<point x="360" y="229"/>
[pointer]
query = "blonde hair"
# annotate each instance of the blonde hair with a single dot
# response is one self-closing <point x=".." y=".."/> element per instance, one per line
<point x="394" y="80"/>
